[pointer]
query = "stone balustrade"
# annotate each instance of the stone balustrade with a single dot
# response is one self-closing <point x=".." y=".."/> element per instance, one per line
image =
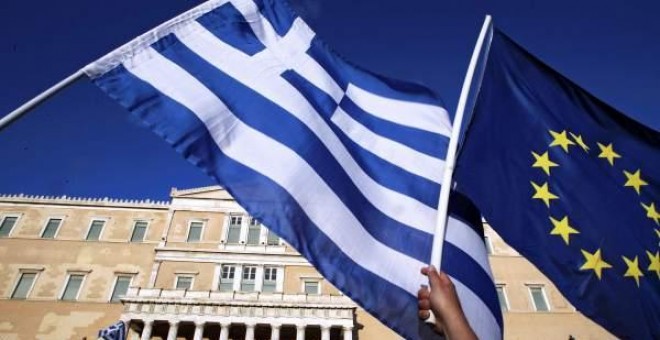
<point x="223" y="310"/>
<point x="234" y="297"/>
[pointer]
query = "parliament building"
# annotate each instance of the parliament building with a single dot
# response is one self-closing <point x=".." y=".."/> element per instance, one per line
<point x="198" y="267"/>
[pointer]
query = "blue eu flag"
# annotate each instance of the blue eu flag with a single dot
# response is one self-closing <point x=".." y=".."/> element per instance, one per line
<point x="571" y="184"/>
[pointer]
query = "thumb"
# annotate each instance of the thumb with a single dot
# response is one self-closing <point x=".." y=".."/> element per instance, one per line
<point x="434" y="277"/>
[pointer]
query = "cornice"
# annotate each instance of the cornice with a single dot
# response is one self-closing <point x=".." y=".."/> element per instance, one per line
<point x="83" y="201"/>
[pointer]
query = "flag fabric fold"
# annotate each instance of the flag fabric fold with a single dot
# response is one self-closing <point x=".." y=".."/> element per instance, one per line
<point x="571" y="184"/>
<point x="345" y="165"/>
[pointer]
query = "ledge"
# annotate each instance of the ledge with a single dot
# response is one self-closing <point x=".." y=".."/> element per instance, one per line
<point x="81" y="201"/>
<point x="180" y="296"/>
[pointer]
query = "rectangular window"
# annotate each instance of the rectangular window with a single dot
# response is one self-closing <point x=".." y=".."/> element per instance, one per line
<point x="95" y="230"/>
<point x="227" y="278"/>
<point x="253" y="231"/>
<point x="501" y="296"/>
<point x="273" y="239"/>
<point x="538" y="299"/>
<point x="72" y="287"/>
<point x="24" y="286"/>
<point x="234" y="233"/>
<point x="51" y="228"/>
<point x="139" y="230"/>
<point x="311" y="287"/>
<point x="270" y="279"/>
<point x="184" y="282"/>
<point x="7" y="225"/>
<point x="249" y="275"/>
<point x="195" y="232"/>
<point x="121" y="287"/>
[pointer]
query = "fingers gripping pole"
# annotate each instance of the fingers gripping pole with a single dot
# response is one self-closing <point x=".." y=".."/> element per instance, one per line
<point x="34" y="102"/>
<point x="443" y="204"/>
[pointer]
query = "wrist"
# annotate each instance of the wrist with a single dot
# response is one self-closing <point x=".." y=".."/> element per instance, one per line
<point x="458" y="328"/>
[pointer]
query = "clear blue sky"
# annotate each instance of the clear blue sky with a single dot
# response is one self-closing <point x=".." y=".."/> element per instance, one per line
<point x="82" y="144"/>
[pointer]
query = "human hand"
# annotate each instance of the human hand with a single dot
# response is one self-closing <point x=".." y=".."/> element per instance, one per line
<point x="443" y="301"/>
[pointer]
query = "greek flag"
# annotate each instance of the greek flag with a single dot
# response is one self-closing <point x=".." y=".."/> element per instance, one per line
<point x="113" y="332"/>
<point x="343" y="164"/>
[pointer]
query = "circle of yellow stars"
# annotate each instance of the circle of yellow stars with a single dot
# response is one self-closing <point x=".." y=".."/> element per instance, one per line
<point x="561" y="225"/>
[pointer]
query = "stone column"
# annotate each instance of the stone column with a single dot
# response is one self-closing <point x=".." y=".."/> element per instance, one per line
<point x="224" y="331"/>
<point x="154" y="274"/>
<point x="259" y="279"/>
<point x="172" y="332"/>
<point x="199" y="330"/>
<point x="348" y="333"/>
<point x="245" y="225"/>
<point x="127" y="325"/>
<point x="249" y="331"/>
<point x="325" y="332"/>
<point x="300" y="332"/>
<point x="146" y="331"/>
<point x="263" y="235"/>
<point x="275" y="331"/>
<point x="238" y="277"/>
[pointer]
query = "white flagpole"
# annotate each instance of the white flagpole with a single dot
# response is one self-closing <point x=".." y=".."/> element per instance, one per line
<point x="153" y="34"/>
<point x="441" y="224"/>
<point x="23" y="109"/>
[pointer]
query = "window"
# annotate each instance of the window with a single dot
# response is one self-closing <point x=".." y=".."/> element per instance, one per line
<point x="184" y="282"/>
<point x="311" y="287"/>
<point x="121" y="287"/>
<point x="95" y="230"/>
<point x="195" y="231"/>
<point x="51" y="228"/>
<point x="538" y="298"/>
<point x="227" y="278"/>
<point x="7" y="225"/>
<point x="489" y="246"/>
<point x="139" y="230"/>
<point x="253" y="231"/>
<point x="272" y="239"/>
<point x="72" y="288"/>
<point x="234" y="233"/>
<point x="501" y="296"/>
<point x="270" y="279"/>
<point x="24" y="286"/>
<point x="249" y="275"/>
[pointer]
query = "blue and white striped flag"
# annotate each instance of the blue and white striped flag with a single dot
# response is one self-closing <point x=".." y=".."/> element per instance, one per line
<point x="113" y="332"/>
<point x="343" y="164"/>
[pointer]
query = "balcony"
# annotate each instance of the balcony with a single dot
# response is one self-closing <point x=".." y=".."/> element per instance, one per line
<point x="158" y="295"/>
<point x="153" y="309"/>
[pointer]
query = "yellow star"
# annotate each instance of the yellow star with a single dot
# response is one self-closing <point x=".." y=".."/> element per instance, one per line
<point x="633" y="269"/>
<point x="543" y="193"/>
<point x="608" y="153"/>
<point x="634" y="180"/>
<point x="580" y="142"/>
<point x="652" y="213"/>
<point x="562" y="228"/>
<point x="655" y="262"/>
<point x="543" y="161"/>
<point x="560" y="139"/>
<point x="594" y="262"/>
<point x="657" y="232"/>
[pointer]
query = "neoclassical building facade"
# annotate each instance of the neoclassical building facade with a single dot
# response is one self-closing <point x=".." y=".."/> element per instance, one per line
<point x="198" y="267"/>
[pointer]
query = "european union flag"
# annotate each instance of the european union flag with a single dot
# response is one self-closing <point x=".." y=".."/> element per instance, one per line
<point x="571" y="184"/>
